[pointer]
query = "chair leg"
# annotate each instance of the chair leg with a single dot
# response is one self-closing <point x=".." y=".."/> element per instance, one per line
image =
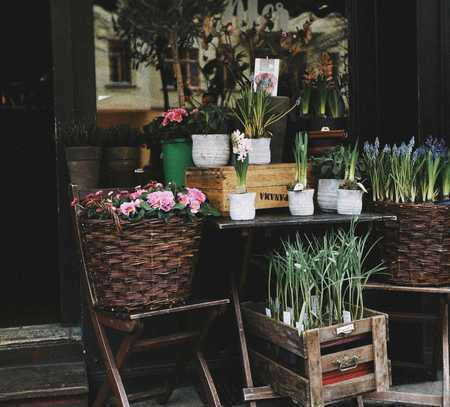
<point x="112" y="371"/>
<point x="359" y="401"/>
<point x="212" y="397"/>
<point x="120" y="359"/>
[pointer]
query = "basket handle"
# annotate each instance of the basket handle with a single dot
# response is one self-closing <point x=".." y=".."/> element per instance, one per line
<point x="347" y="363"/>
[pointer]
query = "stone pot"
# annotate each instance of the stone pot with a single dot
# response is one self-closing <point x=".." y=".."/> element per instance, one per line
<point x="327" y="194"/>
<point x="260" y="153"/>
<point x="301" y="202"/>
<point x="210" y="150"/>
<point x="84" y="165"/>
<point x="349" y="201"/>
<point x="242" y="206"/>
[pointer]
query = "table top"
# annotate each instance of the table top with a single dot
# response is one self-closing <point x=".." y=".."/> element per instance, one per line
<point x="405" y="289"/>
<point x="285" y="219"/>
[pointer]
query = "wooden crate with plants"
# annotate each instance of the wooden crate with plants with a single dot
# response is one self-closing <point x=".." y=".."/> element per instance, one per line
<point x="313" y="340"/>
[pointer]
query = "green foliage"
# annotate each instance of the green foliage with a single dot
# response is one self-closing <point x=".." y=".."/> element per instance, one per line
<point x="79" y="134"/>
<point x="122" y="136"/>
<point x="209" y="119"/>
<point x="319" y="279"/>
<point x="300" y="151"/>
<point x="330" y="165"/>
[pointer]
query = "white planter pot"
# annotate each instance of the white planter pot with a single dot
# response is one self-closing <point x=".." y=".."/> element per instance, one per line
<point x="260" y="153"/>
<point x="301" y="202"/>
<point x="210" y="150"/>
<point x="242" y="206"/>
<point x="349" y="202"/>
<point x="327" y="194"/>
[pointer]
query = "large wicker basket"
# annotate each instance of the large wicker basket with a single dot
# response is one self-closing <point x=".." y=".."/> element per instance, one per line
<point x="146" y="265"/>
<point x="417" y="246"/>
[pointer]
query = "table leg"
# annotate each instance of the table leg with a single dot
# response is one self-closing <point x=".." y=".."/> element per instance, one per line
<point x="445" y="353"/>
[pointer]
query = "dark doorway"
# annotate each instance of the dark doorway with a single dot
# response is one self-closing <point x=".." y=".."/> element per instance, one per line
<point x="29" y="285"/>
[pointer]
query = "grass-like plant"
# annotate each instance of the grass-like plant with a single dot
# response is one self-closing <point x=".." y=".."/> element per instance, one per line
<point x="351" y="159"/>
<point x="317" y="280"/>
<point x="255" y="111"/>
<point x="300" y="151"/>
<point x="446" y="178"/>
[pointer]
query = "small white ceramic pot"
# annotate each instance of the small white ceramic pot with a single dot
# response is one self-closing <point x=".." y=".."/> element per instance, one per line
<point x="349" y="202"/>
<point x="301" y="202"/>
<point x="260" y="152"/>
<point x="242" y="206"/>
<point x="327" y="194"/>
<point x="210" y="150"/>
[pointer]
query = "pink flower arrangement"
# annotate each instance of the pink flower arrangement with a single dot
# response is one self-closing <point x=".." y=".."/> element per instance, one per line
<point x="152" y="200"/>
<point x="241" y="145"/>
<point x="174" y="115"/>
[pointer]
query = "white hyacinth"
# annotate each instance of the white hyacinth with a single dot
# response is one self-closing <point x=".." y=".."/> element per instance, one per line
<point x="241" y="145"/>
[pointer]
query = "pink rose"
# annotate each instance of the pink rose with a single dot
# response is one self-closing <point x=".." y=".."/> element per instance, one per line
<point x="128" y="208"/>
<point x="196" y="195"/>
<point x="163" y="200"/>
<point x="195" y="206"/>
<point x="183" y="199"/>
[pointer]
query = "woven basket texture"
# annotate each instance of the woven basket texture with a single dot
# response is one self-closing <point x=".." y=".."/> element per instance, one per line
<point x="149" y="264"/>
<point x="417" y="246"/>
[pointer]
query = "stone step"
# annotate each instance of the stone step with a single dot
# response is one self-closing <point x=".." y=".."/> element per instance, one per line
<point x="61" y="384"/>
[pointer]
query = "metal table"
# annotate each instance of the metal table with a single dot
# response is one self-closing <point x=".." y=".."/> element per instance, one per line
<point x="248" y="228"/>
<point x="415" y="398"/>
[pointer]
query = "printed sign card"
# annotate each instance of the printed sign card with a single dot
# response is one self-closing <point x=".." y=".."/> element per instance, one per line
<point x="266" y="75"/>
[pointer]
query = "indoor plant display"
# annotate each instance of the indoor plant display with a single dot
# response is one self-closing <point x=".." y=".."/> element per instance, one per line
<point x="349" y="194"/>
<point x="173" y="130"/>
<point x="83" y="152"/>
<point x="329" y="169"/>
<point x="299" y="195"/>
<point x="255" y="111"/>
<point x="210" y="141"/>
<point x="313" y="332"/>
<point x="406" y="181"/>
<point x="242" y="203"/>
<point x="121" y="155"/>
<point x="138" y="245"/>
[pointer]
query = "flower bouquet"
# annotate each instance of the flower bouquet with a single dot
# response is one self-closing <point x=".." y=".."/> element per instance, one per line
<point x="138" y="246"/>
<point x="407" y="181"/>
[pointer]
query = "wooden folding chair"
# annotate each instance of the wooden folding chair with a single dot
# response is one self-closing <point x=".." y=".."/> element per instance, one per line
<point x="131" y="325"/>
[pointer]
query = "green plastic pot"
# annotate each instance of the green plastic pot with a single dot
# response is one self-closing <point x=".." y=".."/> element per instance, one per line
<point x="177" y="156"/>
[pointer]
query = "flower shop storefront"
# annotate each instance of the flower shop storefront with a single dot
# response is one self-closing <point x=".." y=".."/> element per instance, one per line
<point x="277" y="232"/>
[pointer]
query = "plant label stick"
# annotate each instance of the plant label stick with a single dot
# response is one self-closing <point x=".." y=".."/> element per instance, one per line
<point x="300" y="327"/>
<point x="346" y="317"/>
<point x="268" y="313"/>
<point x="287" y="317"/>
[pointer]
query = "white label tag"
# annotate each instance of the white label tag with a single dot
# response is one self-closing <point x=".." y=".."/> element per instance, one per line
<point x="287" y="317"/>
<point x="300" y="327"/>
<point x="347" y="317"/>
<point x="314" y="304"/>
<point x="346" y="329"/>
<point x="268" y="313"/>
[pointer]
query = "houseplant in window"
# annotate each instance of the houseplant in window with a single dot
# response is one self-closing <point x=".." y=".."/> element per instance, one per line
<point x="242" y="203"/>
<point x="121" y="155"/>
<point x="407" y="181"/>
<point x="138" y="245"/>
<point x="172" y="130"/>
<point x="299" y="195"/>
<point x="350" y="192"/>
<point x="256" y="113"/>
<point x="83" y="152"/>
<point x="329" y="170"/>
<point x="210" y="141"/>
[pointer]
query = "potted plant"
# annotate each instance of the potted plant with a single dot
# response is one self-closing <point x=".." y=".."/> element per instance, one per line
<point x="349" y="194"/>
<point x="172" y="130"/>
<point x="329" y="169"/>
<point x="255" y="111"/>
<point x="407" y="181"/>
<point x="300" y="197"/>
<point x="83" y="152"/>
<point x="242" y="203"/>
<point x="313" y="331"/>
<point x="121" y="155"/>
<point x="210" y="141"/>
<point x="138" y="245"/>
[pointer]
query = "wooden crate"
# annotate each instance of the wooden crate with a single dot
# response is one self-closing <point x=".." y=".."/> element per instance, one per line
<point x="322" y="365"/>
<point x="268" y="181"/>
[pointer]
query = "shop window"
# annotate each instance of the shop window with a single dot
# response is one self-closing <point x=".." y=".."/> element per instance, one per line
<point x="119" y="62"/>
